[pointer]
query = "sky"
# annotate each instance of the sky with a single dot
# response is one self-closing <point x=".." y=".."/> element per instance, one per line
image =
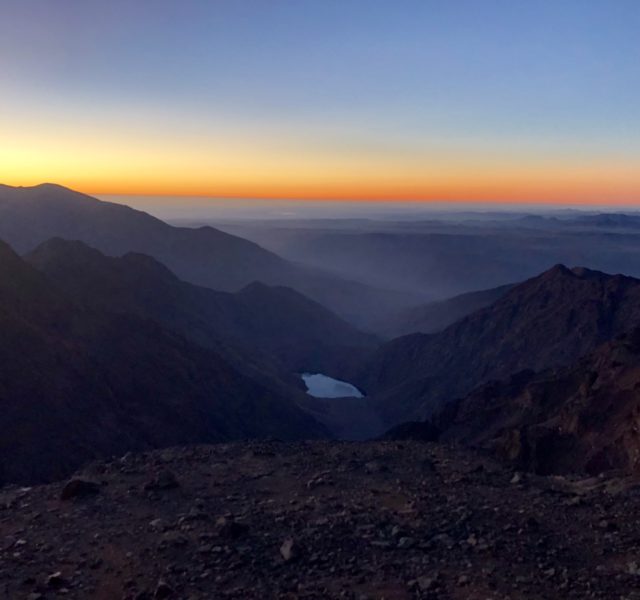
<point x="396" y="100"/>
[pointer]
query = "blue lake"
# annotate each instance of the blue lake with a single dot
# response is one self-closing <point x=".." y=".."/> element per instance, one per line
<point x="322" y="386"/>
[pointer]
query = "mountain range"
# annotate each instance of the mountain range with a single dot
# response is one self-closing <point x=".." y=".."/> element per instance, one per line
<point x="549" y="320"/>
<point x="121" y="332"/>
<point x="437" y="255"/>
<point x="204" y="256"/>
<point x="78" y="382"/>
<point x="275" y="326"/>
<point x="438" y="315"/>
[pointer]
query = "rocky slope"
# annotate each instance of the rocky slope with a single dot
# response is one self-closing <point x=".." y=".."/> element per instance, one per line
<point x="582" y="418"/>
<point x="436" y="316"/>
<point x="549" y="320"/>
<point x="77" y="384"/>
<point x="318" y="521"/>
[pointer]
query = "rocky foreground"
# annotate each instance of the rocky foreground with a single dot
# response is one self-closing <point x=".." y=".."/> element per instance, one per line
<point x="319" y="520"/>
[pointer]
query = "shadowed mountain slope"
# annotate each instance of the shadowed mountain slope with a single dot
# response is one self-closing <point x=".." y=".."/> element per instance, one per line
<point x="436" y="316"/>
<point x="77" y="384"/>
<point x="290" y="331"/>
<point x="549" y="320"/>
<point x="204" y="256"/>
<point x="582" y="418"/>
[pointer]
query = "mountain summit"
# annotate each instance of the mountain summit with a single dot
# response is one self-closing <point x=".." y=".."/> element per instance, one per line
<point x="549" y="320"/>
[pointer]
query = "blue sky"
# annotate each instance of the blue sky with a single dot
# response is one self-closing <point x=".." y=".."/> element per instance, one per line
<point x="520" y="83"/>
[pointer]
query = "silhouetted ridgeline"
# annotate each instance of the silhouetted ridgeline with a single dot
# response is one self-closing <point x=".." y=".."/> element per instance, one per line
<point x="79" y="383"/>
<point x="549" y="320"/>
<point x="108" y="349"/>
<point x="203" y="256"/>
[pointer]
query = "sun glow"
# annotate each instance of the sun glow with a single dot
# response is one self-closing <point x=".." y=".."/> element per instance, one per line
<point x="107" y="161"/>
<point x="433" y="108"/>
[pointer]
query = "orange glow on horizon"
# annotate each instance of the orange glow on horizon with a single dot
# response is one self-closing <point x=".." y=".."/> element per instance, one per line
<point x="388" y="106"/>
<point x="103" y="162"/>
<point x="480" y="189"/>
<point x="480" y="192"/>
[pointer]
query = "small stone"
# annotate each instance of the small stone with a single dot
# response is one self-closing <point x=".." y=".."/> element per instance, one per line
<point x="426" y="584"/>
<point x="231" y="528"/>
<point x="163" y="590"/>
<point x="405" y="542"/>
<point x="158" y="524"/>
<point x="289" y="550"/>
<point x="375" y="467"/>
<point x="381" y="544"/>
<point x="79" y="488"/>
<point x="164" y="480"/>
<point x="56" y="580"/>
<point x="533" y="524"/>
<point x="607" y="525"/>
<point x="174" y="538"/>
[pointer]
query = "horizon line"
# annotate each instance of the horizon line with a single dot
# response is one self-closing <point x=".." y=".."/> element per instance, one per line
<point x="395" y="200"/>
<point x="355" y="199"/>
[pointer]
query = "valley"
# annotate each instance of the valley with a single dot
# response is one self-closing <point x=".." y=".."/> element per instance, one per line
<point x="242" y="435"/>
<point x="354" y="384"/>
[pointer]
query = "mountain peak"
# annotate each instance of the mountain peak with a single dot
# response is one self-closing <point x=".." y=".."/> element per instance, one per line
<point x="58" y="252"/>
<point x="48" y="186"/>
<point x="6" y="249"/>
<point x="549" y="320"/>
<point x="255" y="286"/>
<point x="584" y="273"/>
<point x="58" y="243"/>
<point x="10" y="261"/>
<point x="12" y="267"/>
<point x="44" y="186"/>
<point x="56" y="249"/>
<point x="561" y="272"/>
<point x="38" y="187"/>
<point x="558" y="270"/>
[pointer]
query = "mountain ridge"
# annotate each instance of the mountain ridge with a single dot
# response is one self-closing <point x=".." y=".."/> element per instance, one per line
<point x="109" y="383"/>
<point x="438" y="315"/>
<point x="548" y="320"/>
<point x="278" y="322"/>
<point x="204" y="256"/>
